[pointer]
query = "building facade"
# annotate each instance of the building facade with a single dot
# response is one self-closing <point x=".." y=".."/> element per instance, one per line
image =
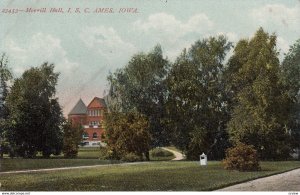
<point x="91" y="118"/>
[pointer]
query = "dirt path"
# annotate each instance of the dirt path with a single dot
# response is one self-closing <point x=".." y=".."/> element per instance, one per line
<point x="67" y="168"/>
<point x="289" y="181"/>
<point x="178" y="155"/>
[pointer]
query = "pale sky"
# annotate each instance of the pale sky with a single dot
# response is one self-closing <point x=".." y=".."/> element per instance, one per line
<point x="85" y="47"/>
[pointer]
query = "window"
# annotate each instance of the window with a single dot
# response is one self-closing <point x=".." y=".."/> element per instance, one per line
<point x="95" y="136"/>
<point x="85" y="135"/>
<point x="94" y="123"/>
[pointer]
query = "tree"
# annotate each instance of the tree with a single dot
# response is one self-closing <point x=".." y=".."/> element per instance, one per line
<point x="196" y="103"/>
<point x="72" y="138"/>
<point x="35" y="114"/>
<point x="127" y="133"/>
<point x="261" y="106"/>
<point x="290" y="74"/>
<point x="141" y="87"/>
<point x="5" y="77"/>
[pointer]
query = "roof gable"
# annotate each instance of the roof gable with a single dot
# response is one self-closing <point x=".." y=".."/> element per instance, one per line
<point x="79" y="108"/>
<point x="97" y="103"/>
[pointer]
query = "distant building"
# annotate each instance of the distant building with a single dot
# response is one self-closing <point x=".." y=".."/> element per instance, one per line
<point x="91" y="118"/>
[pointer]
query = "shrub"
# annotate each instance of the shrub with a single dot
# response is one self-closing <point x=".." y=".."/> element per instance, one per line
<point x="158" y="152"/>
<point x="106" y="154"/>
<point x="127" y="133"/>
<point x="71" y="140"/>
<point x="242" y="157"/>
<point x="130" y="157"/>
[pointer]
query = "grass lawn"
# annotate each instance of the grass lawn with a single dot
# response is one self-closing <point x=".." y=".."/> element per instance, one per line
<point x="89" y="152"/>
<point x="155" y="176"/>
<point x="8" y="164"/>
<point x="161" y="158"/>
<point x="86" y="156"/>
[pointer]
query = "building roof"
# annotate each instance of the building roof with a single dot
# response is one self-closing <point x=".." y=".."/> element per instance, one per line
<point x="100" y="100"/>
<point x="79" y="108"/>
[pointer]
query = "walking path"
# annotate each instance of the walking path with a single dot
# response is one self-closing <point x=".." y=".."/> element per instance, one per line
<point x="289" y="181"/>
<point x="178" y="155"/>
<point x="67" y="168"/>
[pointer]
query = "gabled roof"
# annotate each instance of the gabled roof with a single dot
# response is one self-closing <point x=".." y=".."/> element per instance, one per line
<point x="100" y="100"/>
<point x="79" y="108"/>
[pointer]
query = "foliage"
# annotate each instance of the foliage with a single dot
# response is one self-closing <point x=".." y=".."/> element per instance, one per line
<point x="140" y="86"/>
<point x="127" y="133"/>
<point x="130" y="157"/>
<point x="260" y="106"/>
<point x="291" y="70"/>
<point x="242" y="157"/>
<point x="35" y="114"/>
<point x="105" y="153"/>
<point x="5" y="77"/>
<point x="291" y="80"/>
<point x="159" y="152"/>
<point x="196" y="104"/>
<point x="72" y="138"/>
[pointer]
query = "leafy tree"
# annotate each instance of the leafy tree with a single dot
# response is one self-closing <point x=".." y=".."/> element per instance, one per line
<point x="291" y="80"/>
<point x="141" y="87"/>
<point x="72" y="138"/>
<point x="35" y="114"/>
<point x="260" y="105"/>
<point x="196" y="103"/>
<point x="127" y="134"/>
<point x="5" y="77"/>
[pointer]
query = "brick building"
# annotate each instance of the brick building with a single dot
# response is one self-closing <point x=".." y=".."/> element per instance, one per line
<point x="91" y="119"/>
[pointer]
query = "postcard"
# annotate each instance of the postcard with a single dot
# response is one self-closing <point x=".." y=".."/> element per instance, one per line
<point x="149" y="95"/>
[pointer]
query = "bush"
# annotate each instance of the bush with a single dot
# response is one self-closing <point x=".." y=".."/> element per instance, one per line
<point x="106" y="154"/>
<point x="71" y="140"/>
<point x="127" y="133"/>
<point x="242" y="157"/>
<point x="130" y="157"/>
<point x="158" y="152"/>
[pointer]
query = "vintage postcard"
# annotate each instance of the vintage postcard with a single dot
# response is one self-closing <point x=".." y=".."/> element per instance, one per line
<point x="149" y="95"/>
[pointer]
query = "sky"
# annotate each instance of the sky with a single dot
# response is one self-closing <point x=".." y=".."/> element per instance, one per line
<point x="85" y="47"/>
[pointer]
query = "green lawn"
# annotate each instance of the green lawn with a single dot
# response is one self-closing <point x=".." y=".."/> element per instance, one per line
<point x="155" y="176"/>
<point x="89" y="152"/>
<point x="86" y="156"/>
<point x="161" y="158"/>
<point x="8" y="164"/>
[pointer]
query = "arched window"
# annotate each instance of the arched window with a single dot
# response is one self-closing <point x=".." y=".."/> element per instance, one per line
<point x="85" y="135"/>
<point x="95" y="135"/>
